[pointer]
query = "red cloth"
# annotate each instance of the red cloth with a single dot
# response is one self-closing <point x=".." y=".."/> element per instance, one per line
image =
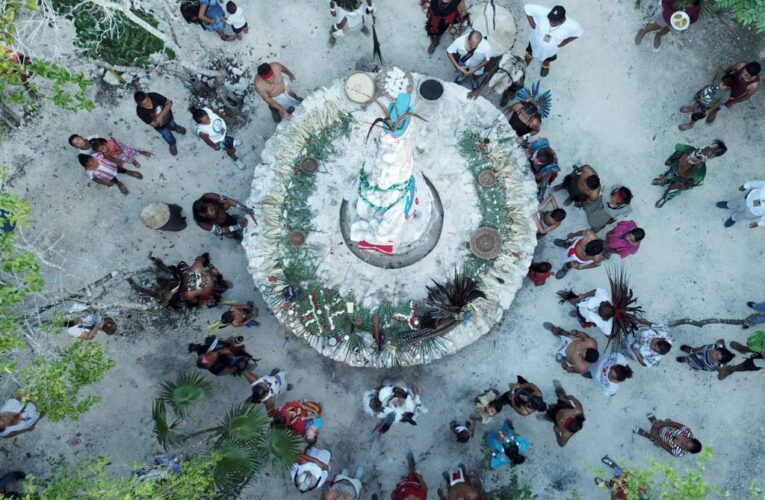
<point x="669" y="8"/>
<point x="740" y="87"/>
<point x="539" y="278"/>
<point x="410" y="485"/>
<point x="296" y="414"/>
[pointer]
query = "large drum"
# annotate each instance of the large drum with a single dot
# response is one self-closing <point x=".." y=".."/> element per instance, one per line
<point x="360" y="87"/>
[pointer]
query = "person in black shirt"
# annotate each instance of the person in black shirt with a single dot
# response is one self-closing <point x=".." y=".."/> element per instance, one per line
<point x="156" y="110"/>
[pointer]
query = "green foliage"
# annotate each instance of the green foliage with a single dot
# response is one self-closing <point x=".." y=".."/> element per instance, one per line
<point x="662" y="480"/>
<point x="745" y="12"/>
<point x="89" y="478"/>
<point x="116" y="40"/>
<point x="243" y="441"/>
<point x="53" y="383"/>
<point x="167" y="434"/>
<point x="516" y="490"/>
<point x="185" y="390"/>
<point x="24" y="82"/>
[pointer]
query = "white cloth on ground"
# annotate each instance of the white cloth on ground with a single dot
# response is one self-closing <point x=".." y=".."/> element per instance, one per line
<point x="87" y="324"/>
<point x="545" y="49"/>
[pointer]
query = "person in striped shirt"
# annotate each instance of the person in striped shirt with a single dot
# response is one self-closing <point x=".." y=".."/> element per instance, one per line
<point x="103" y="171"/>
<point x="672" y="436"/>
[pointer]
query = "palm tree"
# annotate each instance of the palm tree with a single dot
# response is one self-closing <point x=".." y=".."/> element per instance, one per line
<point x="241" y="444"/>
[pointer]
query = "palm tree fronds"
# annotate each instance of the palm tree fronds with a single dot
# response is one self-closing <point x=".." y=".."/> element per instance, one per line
<point x="284" y="447"/>
<point x="448" y="300"/>
<point x="181" y="393"/>
<point x="166" y="433"/>
<point x="237" y="463"/>
<point x="246" y="423"/>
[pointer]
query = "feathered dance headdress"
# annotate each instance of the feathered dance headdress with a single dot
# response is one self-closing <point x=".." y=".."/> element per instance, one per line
<point x="543" y="101"/>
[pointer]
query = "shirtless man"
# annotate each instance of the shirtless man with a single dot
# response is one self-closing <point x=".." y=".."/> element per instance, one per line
<point x="583" y="186"/>
<point x="504" y="73"/>
<point x="548" y="221"/>
<point x="567" y="415"/>
<point x="584" y="252"/>
<point x="462" y="485"/>
<point x="578" y="351"/>
<point x="271" y="87"/>
<point x="746" y="82"/>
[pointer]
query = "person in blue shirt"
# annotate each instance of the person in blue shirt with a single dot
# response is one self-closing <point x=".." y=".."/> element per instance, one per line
<point x="506" y="446"/>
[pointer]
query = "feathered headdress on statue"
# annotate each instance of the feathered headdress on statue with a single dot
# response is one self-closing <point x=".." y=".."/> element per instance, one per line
<point x="396" y="116"/>
<point x="543" y="101"/>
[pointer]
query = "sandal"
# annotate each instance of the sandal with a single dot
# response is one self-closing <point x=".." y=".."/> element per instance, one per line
<point x="607" y="460"/>
<point x="657" y="181"/>
<point x="133" y="173"/>
<point x="660" y="203"/>
<point x="686" y="348"/>
<point x="639" y="37"/>
<point x="561" y="273"/>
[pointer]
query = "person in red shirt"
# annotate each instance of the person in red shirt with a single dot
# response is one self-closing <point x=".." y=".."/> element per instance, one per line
<point x="662" y="23"/>
<point x="302" y="418"/>
<point x="413" y="486"/>
<point x="539" y="272"/>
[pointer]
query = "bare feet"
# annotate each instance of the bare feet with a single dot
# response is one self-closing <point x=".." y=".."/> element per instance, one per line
<point x="688" y="109"/>
<point x="639" y="37"/>
<point x="133" y="173"/>
<point x="685" y="126"/>
<point x="431" y="48"/>
<point x="739" y="347"/>
<point x="365" y="30"/>
<point x="136" y="164"/>
<point x="122" y="188"/>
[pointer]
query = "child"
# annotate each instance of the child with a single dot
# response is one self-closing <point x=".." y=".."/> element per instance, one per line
<point x="86" y="328"/>
<point x="236" y="19"/>
<point x="709" y="98"/>
<point x="240" y="315"/>
<point x="539" y="272"/>
<point x="550" y="220"/>
<point x="463" y="433"/>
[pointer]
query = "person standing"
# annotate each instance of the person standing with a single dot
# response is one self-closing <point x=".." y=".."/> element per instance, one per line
<point x="104" y="172"/>
<point x="413" y="486"/>
<point x="746" y="81"/>
<point x="504" y="74"/>
<point x="311" y="469"/>
<point x="548" y="221"/>
<point x="649" y="343"/>
<point x="462" y="485"/>
<point x="272" y="88"/>
<point x="525" y="398"/>
<point x="584" y="252"/>
<point x="687" y="169"/>
<point x="602" y="213"/>
<point x="213" y="18"/>
<point x="236" y="20"/>
<point x="610" y="371"/>
<point x="551" y="30"/>
<point x="708" y="357"/>
<point x="675" y="438"/>
<point x="755" y="347"/>
<point x="349" y="17"/>
<point x="213" y="130"/>
<point x="594" y="308"/>
<point x="583" y="186"/>
<point x="156" y="110"/>
<point x="567" y="415"/>
<point x="539" y="272"/>
<point x="464" y="433"/>
<point x="211" y="214"/>
<point x="708" y="100"/>
<point x="624" y="239"/>
<point x="344" y="487"/>
<point x="506" y="446"/>
<point x="469" y="54"/>
<point x="267" y="389"/>
<point x="441" y="16"/>
<point x="663" y="21"/>
<point x="749" y="207"/>
<point x="577" y="352"/>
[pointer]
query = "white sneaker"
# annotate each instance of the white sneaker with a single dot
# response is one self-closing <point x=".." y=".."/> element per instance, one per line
<point x="237" y="143"/>
<point x="240" y="164"/>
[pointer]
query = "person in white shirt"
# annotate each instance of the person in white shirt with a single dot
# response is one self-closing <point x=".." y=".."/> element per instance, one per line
<point x="17" y="418"/>
<point x="212" y="129"/>
<point x="751" y="206"/>
<point x="311" y="469"/>
<point x="609" y="372"/>
<point x="551" y="31"/>
<point x="469" y="54"/>
<point x="593" y="308"/>
<point x="349" y="17"/>
<point x="236" y="19"/>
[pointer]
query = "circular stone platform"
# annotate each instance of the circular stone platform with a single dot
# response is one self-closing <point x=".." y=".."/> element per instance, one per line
<point x="359" y="313"/>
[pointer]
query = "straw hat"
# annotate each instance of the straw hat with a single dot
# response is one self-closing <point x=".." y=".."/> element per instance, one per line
<point x="156" y="215"/>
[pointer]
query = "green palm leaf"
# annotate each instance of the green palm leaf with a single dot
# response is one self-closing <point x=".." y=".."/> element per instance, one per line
<point x="188" y="388"/>
<point x="245" y="422"/>
<point x="237" y="463"/>
<point x="284" y="446"/>
<point x="166" y="433"/>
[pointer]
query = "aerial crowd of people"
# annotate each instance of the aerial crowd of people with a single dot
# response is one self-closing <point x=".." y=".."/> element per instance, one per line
<point x="610" y="232"/>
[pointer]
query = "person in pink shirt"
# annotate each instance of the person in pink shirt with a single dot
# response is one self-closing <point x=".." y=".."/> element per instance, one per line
<point x="103" y="171"/>
<point x="624" y="239"/>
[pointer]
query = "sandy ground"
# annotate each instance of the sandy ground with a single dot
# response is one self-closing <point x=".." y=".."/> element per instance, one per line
<point x="615" y="107"/>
